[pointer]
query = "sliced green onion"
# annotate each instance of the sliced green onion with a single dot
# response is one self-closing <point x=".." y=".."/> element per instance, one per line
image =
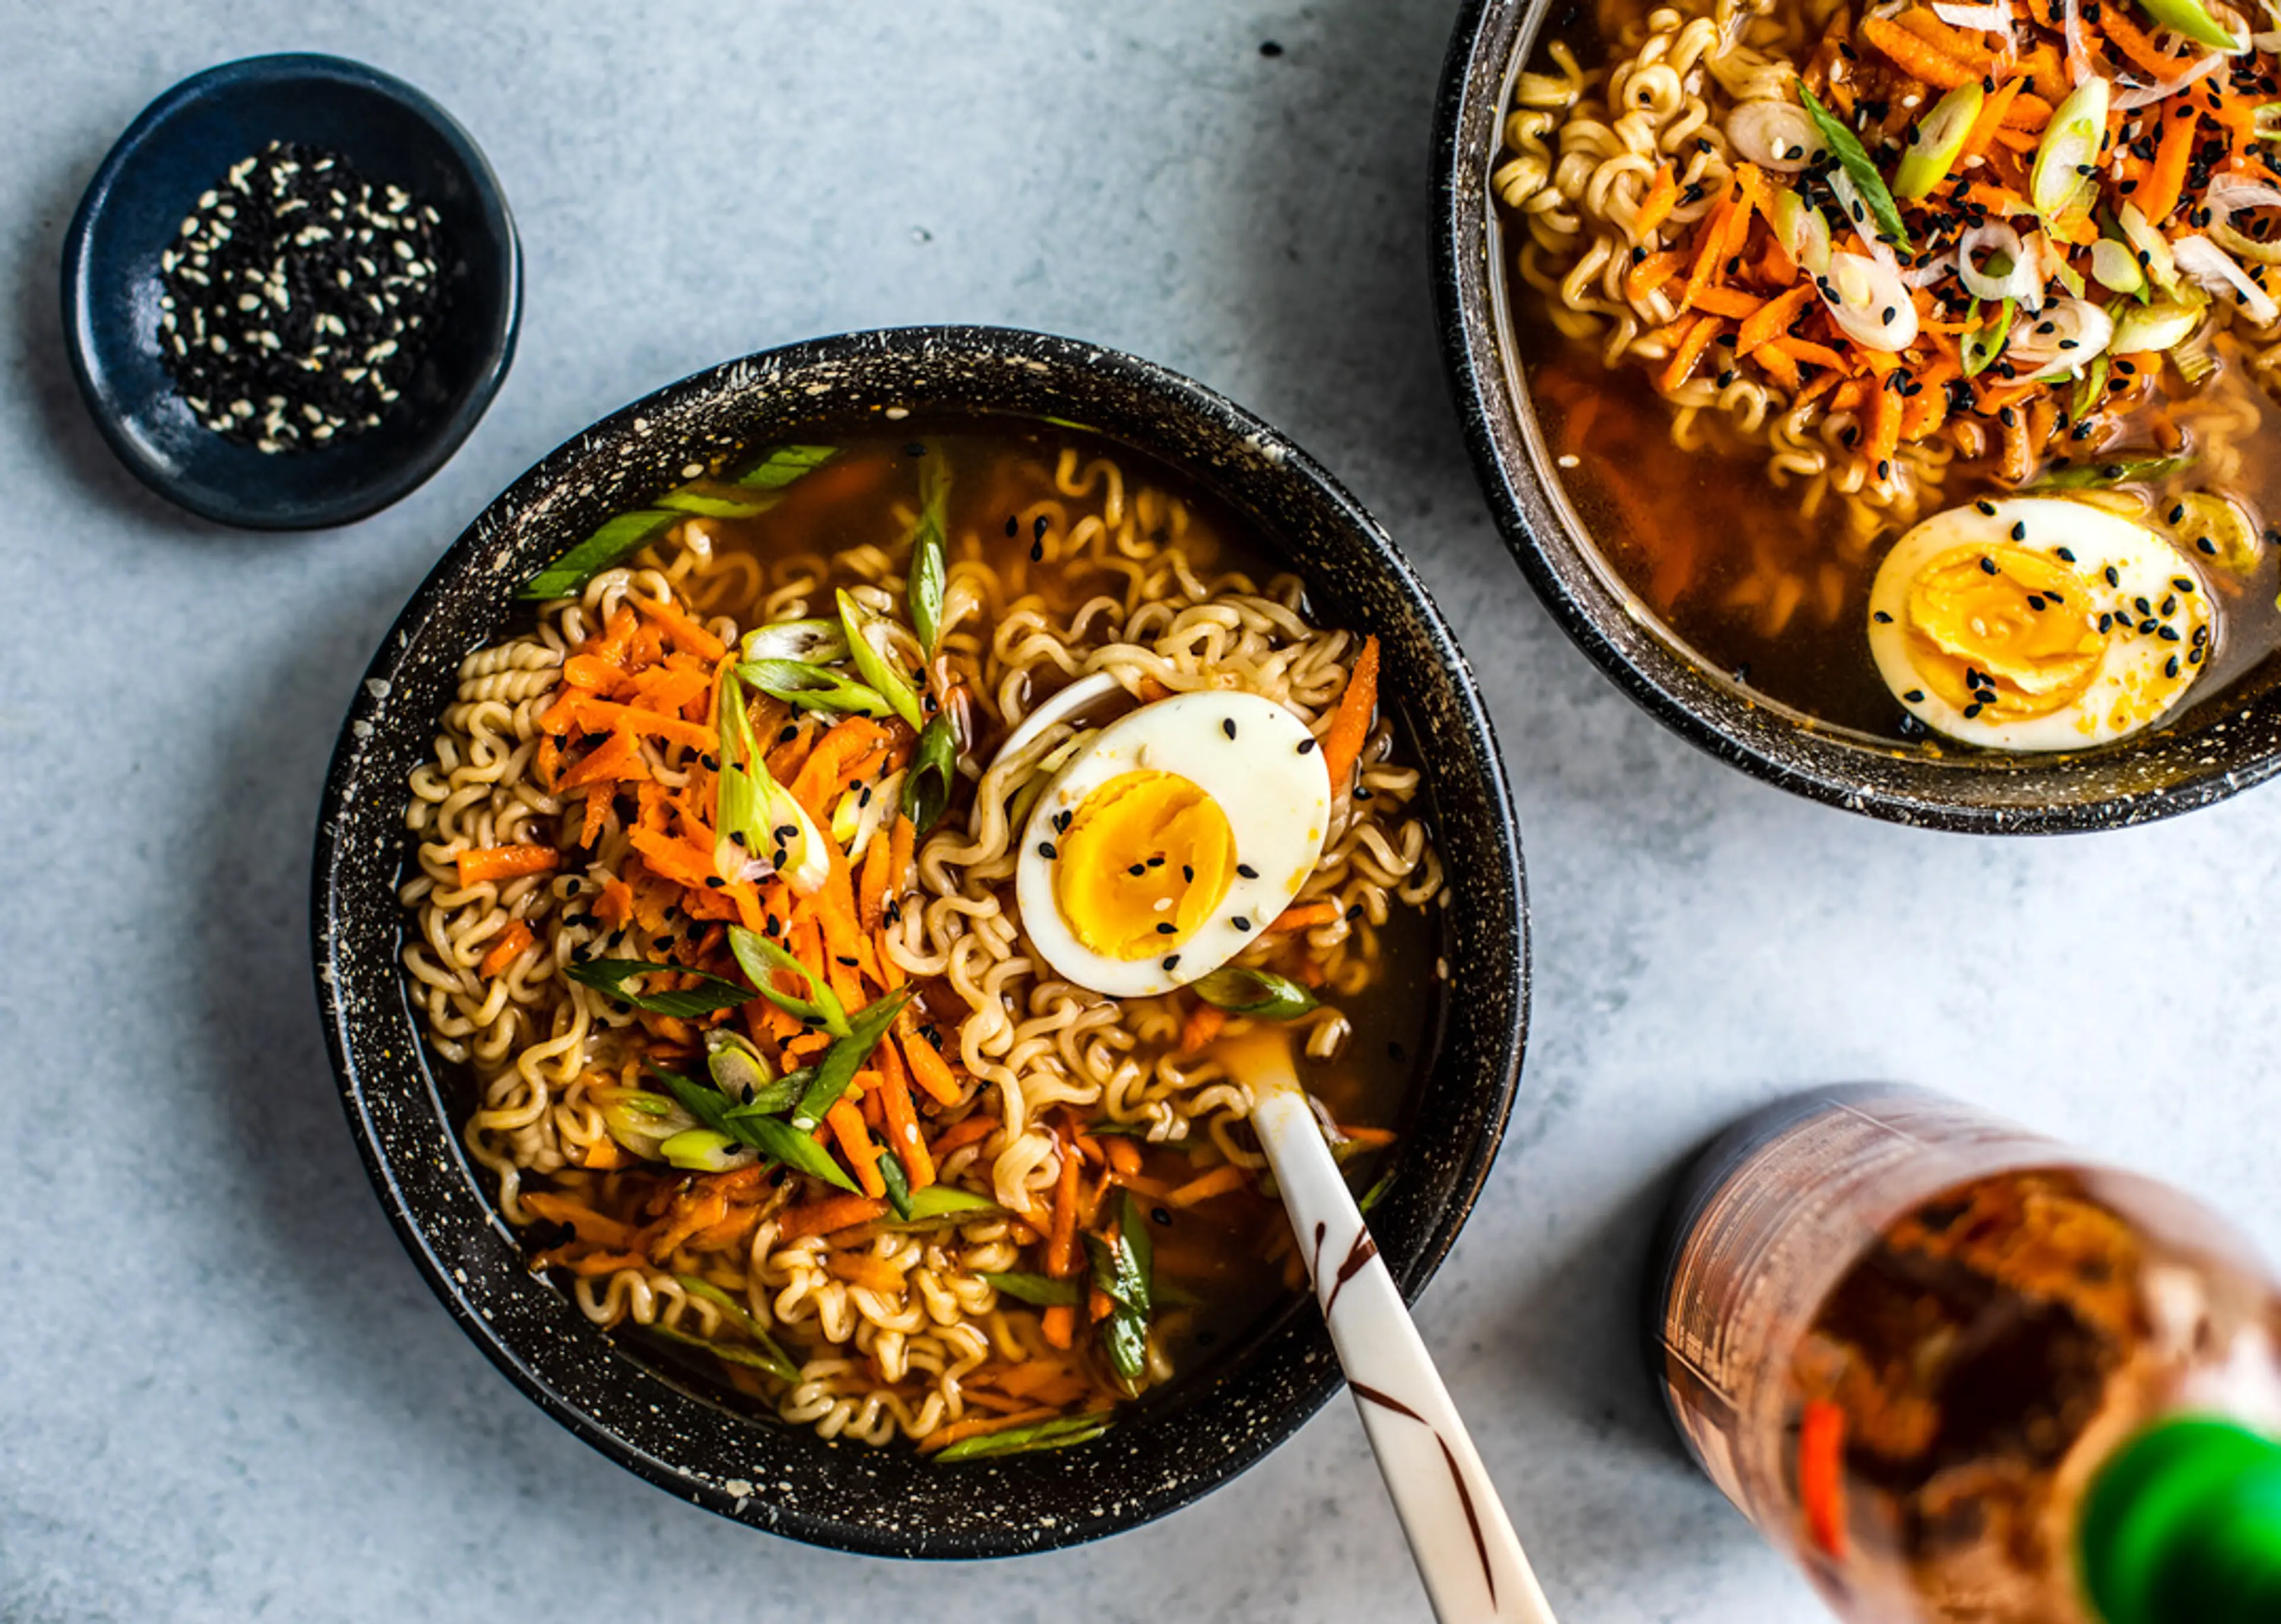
<point x="761" y="958"/>
<point x="2189" y="18"/>
<point x="619" y="539"/>
<point x="609" y="976"/>
<point x="1121" y="1271"/>
<point x="2115" y="267"/>
<point x="2158" y="327"/>
<point x="1985" y="340"/>
<point x="1937" y="141"/>
<point x="1260" y="994"/>
<point x="794" y="1149"/>
<point x="771" y="1360"/>
<point x="1855" y="161"/>
<point x="696" y="1286"/>
<point x="810" y="687"/>
<point x="929" y="548"/>
<point x="706" y="504"/>
<point x="750" y="807"/>
<point x="2089" y="388"/>
<point x="1042" y="1289"/>
<point x="1805" y="234"/>
<point x="898" y="1183"/>
<point x="841" y="1062"/>
<point x="735" y="1067"/>
<point x="939" y="1201"/>
<point x="894" y="686"/>
<point x="810" y="642"/>
<point x="786" y="464"/>
<point x="1058" y="1434"/>
<point x="934" y="770"/>
<point x="2102" y="475"/>
<point x="2070" y="145"/>
<point x="701" y="1150"/>
<point x="2153" y="247"/>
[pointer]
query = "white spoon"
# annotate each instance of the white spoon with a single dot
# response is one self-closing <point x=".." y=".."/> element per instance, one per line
<point x="1466" y="1551"/>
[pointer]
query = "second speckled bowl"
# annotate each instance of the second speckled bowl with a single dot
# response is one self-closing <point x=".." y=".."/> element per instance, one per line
<point x="788" y="1481"/>
<point x="2209" y="753"/>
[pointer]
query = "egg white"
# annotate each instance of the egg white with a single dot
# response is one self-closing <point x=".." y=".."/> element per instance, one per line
<point x="1268" y="781"/>
<point x="2131" y="689"/>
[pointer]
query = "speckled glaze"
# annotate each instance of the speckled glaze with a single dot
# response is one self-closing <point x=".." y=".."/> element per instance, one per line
<point x="177" y="147"/>
<point x="666" y="1424"/>
<point x="2213" y="751"/>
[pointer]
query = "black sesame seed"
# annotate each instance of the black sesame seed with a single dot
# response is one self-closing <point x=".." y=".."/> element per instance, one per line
<point x="1240" y="922"/>
<point x="1013" y="523"/>
<point x="2019" y="533"/>
<point x="2205" y="544"/>
<point x="1306" y="747"/>
<point x="1037" y="552"/>
<point x="1247" y="870"/>
<point x="1172" y="960"/>
<point x="1987" y="508"/>
<point x="1882" y="618"/>
<point x="1914" y="696"/>
<point x="2182" y="584"/>
<point x="2169" y="634"/>
<point x="1227" y="726"/>
<point x="1138" y="870"/>
<point x="1188" y="873"/>
<point x="1045" y="850"/>
<point x="2171" y="666"/>
<point x="2065" y="557"/>
<point x="1987" y="564"/>
<point x="2112" y="579"/>
<point x="1168" y="929"/>
<point x="1039" y="527"/>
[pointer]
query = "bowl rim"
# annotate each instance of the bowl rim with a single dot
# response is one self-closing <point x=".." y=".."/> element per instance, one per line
<point x="1770" y="742"/>
<point x="1175" y="394"/>
<point x="387" y="483"/>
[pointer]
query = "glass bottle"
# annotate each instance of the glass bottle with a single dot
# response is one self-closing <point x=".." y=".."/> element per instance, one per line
<point x="1959" y="1372"/>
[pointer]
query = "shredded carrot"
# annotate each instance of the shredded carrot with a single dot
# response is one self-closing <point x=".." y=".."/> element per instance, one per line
<point x="930" y="1070"/>
<point x="617" y="759"/>
<point x="1771" y="319"/>
<point x="608" y="716"/>
<point x="1651" y="272"/>
<point x="1928" y="25"/>
<point x="838" y="756"/>
<point x="1304" y="916"/>
<point x="857" y="1145"/>
<point x="483" y="864"/>
<point x="1202" y="1026"/>
<point x="1689" y="350"/>
<point x="2159" y="197"/>
<point x="1220" y="1182"/>
<point x="943" y="1437"/>
<point x="1916" y="55"/>
<point x="1992" y="114"/>
<point x="1369" y="1138"/>
<point x="1351" y="726"/>
<point x="2116" y="23"/>
<point x="685" y="632"/>
<point x="1058" y="1324"/>
<point x="899" y="856"/>
<point x="982" y="1124"/>
<point x="826" y="1216"/>
<point x="593" y="673"/>
<point x="584" y="1222"/>
<point x="1061" y="1240"/>
<point x="902" y="1117"/>
<point x="1731" y="302"/>
<point x="602" y="1154"/>
<point x="513" y="941"/>
<point x="1123" y="1154"/>
<point x="1710" y="252"/>
<point x="861" y="1269"/>
<point x="1884" y="432"/>
<point x="1775" y="362"/>
<point x="871" y="889"/>
<point x="1655" y="208"/>
<point x="1808" y="353"/>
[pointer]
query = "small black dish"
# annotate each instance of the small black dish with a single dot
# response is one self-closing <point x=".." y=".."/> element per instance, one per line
<point x="2213" y="751"/>
<point x="891" y="1502"/>
<point x="181" y="146"/>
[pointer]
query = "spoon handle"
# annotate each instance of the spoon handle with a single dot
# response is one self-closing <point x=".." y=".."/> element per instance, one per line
<point x="1466" y="1548"/>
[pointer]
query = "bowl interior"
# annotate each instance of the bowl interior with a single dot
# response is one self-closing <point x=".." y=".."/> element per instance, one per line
<point x="178" y="148"/>
<point x="2210" y="752"/>
<point x="668" y="1425"/>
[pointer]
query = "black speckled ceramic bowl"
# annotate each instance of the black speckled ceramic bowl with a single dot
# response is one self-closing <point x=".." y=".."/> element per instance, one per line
<point x="2212" y="751"/>
<point x="664" y="1423"/>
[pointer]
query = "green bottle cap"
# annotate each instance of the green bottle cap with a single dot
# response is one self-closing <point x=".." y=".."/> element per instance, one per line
<point x="2183" y="1525"/>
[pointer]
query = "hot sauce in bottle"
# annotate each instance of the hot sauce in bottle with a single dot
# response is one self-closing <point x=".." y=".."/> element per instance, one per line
<point x="1961" y="1372"/>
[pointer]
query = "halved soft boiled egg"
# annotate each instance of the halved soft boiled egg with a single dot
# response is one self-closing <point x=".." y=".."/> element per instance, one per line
<point x="2038" y="624"/>
<point x="1165" y="847"/>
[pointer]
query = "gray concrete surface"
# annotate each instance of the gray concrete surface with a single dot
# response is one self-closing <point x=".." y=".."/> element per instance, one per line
<point x="225" y="1395"/>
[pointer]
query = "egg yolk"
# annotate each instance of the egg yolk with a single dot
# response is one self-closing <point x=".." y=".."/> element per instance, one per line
<point x="1145" y="860"/>
<point x="2003" y="628"/>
